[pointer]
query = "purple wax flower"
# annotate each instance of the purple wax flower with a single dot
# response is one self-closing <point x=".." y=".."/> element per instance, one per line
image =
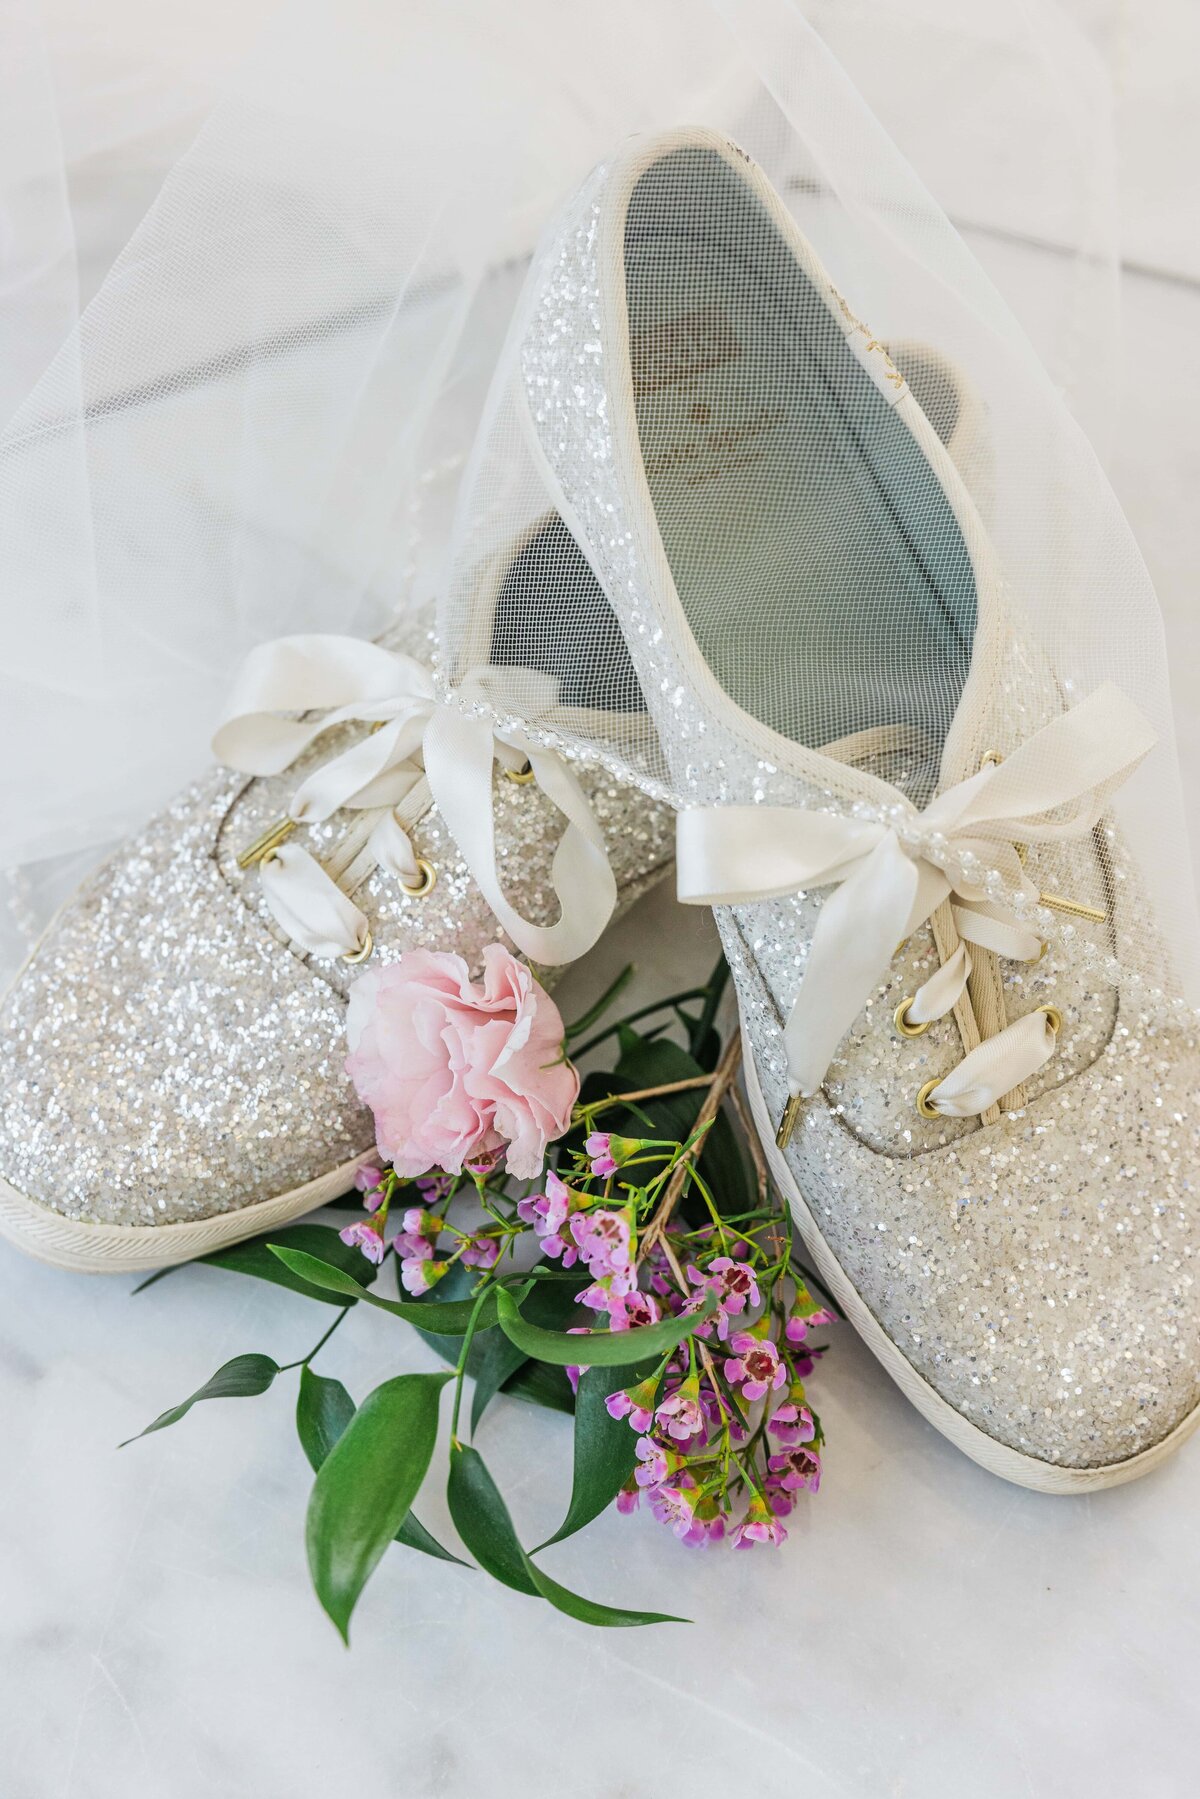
<point x="419" y="1273"/>
<point x="755" y="1364"/>
<point x="605" y="1242"/>
<point x="758" y="1526"/>
<point x="792" y="1425"/>
<point x="630" y="1311"/>
<point x="796" y="1469"/>
<point x="733" y="1284"/>
<point x="673" y="1507"/>
<point x="680" y="1415"/>
<point x="599" y="1148"/>
<point x="367" y="1236"/>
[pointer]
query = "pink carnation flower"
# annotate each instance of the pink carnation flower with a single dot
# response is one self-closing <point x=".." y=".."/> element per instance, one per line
<point x="455" y="1070"/>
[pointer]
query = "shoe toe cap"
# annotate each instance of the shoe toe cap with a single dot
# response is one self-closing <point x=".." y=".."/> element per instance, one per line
<point x="162" y="1058"/>
<point x="1040" y="1274"/>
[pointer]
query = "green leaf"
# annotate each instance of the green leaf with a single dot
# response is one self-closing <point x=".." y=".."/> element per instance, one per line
<point x="256" y="1257"/>
<point x="598" y="1349"/>
<point x="323" y="1411"/>
<point x="605" y="1448"/>
<point x="656" y="1062"/>
<point x="365" y="1488"/>
<point x="721" y="1161"/>
<point x="483" y="1522"/>
<point x="499" y="1361"/>
<point x="243" y="1378"/>
<point x="450" y="1319"/>
<point x="539" y="1383"/>
<point x="413" y="1534"/>
<point x="703" y="1042"/>
<point x="550" y="1302"/>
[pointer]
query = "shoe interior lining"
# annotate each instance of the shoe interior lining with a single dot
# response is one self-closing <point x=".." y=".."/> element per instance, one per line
<point x="819" y="563"/>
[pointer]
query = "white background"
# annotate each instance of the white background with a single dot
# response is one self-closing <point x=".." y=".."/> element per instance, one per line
<point x="927" y="1630"/>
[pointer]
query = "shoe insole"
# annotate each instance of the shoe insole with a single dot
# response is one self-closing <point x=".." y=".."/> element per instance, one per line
<point x="820" y="565"/>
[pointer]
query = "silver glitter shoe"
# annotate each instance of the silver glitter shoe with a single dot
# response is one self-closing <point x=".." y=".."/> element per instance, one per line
<point x="987" y="1134"/>
<point x="171" y="1056"/>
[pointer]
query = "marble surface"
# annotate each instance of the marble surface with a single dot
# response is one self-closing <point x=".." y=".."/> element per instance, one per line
<point x="928" y="1630"/>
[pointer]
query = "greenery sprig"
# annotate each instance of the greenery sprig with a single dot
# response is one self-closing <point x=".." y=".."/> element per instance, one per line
<point x="647" y="1280"/>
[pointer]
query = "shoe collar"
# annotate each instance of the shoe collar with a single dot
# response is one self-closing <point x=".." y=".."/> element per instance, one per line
<point x="610" y="192"/>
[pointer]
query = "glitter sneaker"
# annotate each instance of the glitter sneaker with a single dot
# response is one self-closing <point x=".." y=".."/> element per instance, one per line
<point x="984" y="1118"/>
<point x="171" y="1056"/>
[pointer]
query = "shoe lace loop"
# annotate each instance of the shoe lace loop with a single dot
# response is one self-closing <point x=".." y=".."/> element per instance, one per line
<point x="892" y="867"/>
<point x="418" y="752"/>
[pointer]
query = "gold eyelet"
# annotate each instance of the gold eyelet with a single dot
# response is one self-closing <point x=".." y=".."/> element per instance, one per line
<point x="904" y="1024"/>
<point x="923" y="1105"/>
<point x="425" y="882"/>
<point x="521" y="777"/>
<point x="1038" y="957"/>
<point x="1054" y="1018"/>
<point x="265" y="845"/>
<point x="363" y="951"/>
<point x="990" y="759"/>
<point x="791" y="1116"/>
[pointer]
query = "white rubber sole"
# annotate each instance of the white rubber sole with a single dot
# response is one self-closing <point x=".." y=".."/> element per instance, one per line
<point x="88" y="1248"/>
<point x="998" y="1458"/>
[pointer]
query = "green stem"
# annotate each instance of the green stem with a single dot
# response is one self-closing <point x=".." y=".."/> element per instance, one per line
<point x="464" y="1352"/>
<point x="602" y="1004"/>
<point x="661" y="1005"/>
<point x="319" y="1345"/>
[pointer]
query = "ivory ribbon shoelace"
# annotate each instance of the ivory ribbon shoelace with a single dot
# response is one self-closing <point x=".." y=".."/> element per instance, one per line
<point x="894" y="871"/>
<point x="418" y="753"/>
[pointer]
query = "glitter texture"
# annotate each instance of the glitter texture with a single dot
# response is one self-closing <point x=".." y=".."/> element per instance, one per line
<point x="1038" y="1272"/>
<point x="167" y="1055"/>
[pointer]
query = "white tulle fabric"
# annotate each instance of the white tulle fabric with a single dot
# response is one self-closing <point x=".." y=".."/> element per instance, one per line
<point x="260" y="267"/>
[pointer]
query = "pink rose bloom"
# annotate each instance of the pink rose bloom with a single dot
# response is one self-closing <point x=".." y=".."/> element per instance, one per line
<point x="457" y="1070"/>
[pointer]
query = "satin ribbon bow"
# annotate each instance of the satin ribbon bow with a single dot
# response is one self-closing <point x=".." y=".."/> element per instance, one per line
<point x="891" y="872"/>
<point x="416" y="739"/>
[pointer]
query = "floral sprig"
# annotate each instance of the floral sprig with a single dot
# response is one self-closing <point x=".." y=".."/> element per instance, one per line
<point x="631" y="1267"/>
